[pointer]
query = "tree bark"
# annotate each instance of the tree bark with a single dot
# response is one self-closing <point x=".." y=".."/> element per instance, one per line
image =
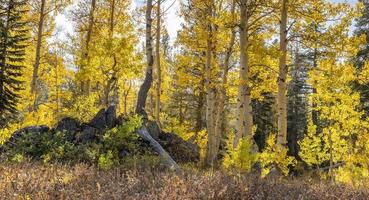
<point x="199" y="111"/>
<point x="111" y="82"/>
<point x="245" y="121"/>
<point x="146" y="85"/>
<point x="158" y="68"/>
<point x="38" y="53"/>
<point x="282" y="85"/>
<point x="211" y="151"/>
<point x="57" y="101"/>
<point x="142" y="95"/>
<point x="220" y="115"/>
<point x="85" y="82"/>
<point x="125" y="96"/>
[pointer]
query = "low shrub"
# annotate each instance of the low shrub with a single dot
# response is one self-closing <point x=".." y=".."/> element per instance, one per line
<point x="109" y="149"/>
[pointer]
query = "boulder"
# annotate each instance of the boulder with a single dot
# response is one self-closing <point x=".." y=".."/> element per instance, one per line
<point x="153" y="129"/>
<point x="104" y="119"/>
<point x="29" y="130"/>
<point x="32" y="129"/>
<point x="123" y="153"/>
<point x="88" y="134"/>
<point x="69" y="126"/>
<point x="179" y="149"/>
<point x="121" y="119"/>
<point x="111" y="117"/>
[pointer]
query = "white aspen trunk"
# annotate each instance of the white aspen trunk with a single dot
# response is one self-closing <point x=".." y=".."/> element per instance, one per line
<point x="111" y="83"/>
<point x="282" y="85"/>
<point x="146" y="85"/>
<point x="143" y="92"/>
<point x="158" y="68"/>
<point x="245" y="121"/>
<point x="210" y="103"/>
<point x="125" y="96"/>
<point x="85" y="82"/>
<point x="211" y="151"/>
<point x="57" y="86"/>
<point x="223" y="89"/>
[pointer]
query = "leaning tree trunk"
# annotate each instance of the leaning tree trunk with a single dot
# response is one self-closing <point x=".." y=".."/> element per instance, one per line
<point x="142" y="95"/>
<point x="282" y="85"/>
<point x="146" y="85"/>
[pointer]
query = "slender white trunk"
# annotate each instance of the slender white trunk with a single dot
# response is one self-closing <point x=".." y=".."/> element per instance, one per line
<point x="245" y="121"/>
<point x="111" y="82"/>
<point x="85" y="82"/>
<point x="57" y="86"/>
<point x="282" y="85"/>
<point x="158" y="68"/>
<point x="146" y="85"/>
<point x="223" y="89"/>
<point x="211" y="152"/>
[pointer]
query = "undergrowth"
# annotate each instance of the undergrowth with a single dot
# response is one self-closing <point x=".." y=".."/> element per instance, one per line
<point x="31" y="180"/>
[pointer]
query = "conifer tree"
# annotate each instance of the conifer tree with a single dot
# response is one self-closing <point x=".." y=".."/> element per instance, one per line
<point x="362" y="28"/>
<point x="13" y="34"/>
<point x="298" y="91"/>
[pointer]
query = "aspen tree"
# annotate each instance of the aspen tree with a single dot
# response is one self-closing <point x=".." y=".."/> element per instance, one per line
<point x="282" y="78"/>
<point x="146" y="85"/>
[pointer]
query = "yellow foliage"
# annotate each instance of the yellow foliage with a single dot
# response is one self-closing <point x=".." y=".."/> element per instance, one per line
<point x="243" y="157"/>
<point x="275" y="156"/>
<point x="7" y="132"/>
<point x="84" y="108"/>
<point x="311" y="149"/>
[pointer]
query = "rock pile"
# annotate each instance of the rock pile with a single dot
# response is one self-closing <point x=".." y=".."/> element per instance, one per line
<point x="77" y="133"/>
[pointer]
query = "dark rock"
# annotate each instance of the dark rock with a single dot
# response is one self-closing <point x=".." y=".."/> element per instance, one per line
<point x="123" y="153"/>
<point x="99" y="120"/>
<point x="88" y="134"/>
<point x="121" y="119"/>
<point x="69" y="126"/>
<point x="31" y="130"/>
<point x="104" y="119"/>
<point x="179" y="149"/>
<point x="153" y="129"/>
<point x="111" y="117"/>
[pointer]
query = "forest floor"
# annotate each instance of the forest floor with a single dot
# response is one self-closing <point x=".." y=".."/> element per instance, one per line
<point x="55" y="181"/>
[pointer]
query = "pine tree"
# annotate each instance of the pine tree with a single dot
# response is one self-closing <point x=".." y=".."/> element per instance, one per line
<point x="298" y="91"/>
<point x="362" y="28"/>
<point x="13" y="34"/>
<point x="264" y="118"/>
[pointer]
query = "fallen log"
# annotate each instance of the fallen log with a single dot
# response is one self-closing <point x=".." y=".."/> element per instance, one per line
<point x="165" y="157"/>
<point x="337" y="165"/>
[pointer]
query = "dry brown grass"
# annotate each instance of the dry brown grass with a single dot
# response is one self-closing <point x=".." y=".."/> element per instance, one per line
<point x="37" y="181"/>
